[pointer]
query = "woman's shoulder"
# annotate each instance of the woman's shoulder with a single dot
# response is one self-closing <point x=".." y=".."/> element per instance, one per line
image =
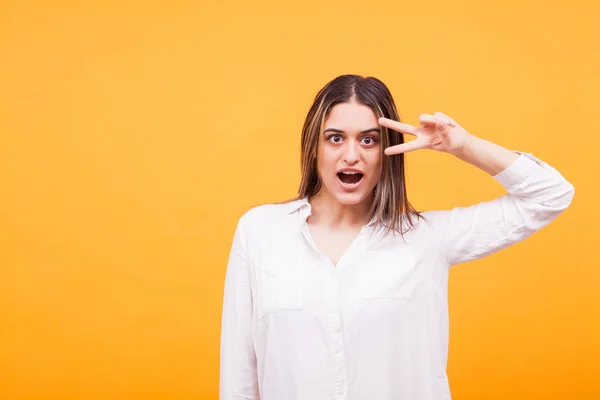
<point x="270" y="213"/>
<point x="430" y="220"/>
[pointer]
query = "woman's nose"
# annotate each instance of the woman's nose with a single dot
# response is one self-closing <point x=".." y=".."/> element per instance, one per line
<point x="351" y="152"/>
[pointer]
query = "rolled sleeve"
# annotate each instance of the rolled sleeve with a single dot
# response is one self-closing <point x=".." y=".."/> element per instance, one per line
<point x="536" y="194"/>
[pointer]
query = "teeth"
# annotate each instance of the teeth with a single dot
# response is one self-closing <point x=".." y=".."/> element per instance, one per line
<point x="349" y="172"/>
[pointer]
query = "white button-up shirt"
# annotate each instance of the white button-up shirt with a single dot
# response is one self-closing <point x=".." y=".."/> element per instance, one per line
<point x="374" y="327"/>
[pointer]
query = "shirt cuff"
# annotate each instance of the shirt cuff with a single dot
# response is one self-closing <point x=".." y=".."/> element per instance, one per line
<point x="521" y="169"/>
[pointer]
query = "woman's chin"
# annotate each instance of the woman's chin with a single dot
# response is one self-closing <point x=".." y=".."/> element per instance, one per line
<point x="351" y="199"/>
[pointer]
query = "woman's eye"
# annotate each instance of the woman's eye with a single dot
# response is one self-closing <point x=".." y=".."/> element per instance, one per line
<point x="368" y="140"/>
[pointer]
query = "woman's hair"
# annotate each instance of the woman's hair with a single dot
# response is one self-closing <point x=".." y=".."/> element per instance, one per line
<point x="390" y="206"/>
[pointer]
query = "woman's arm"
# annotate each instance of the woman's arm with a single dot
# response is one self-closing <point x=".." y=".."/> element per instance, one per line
<point x="238" y="379"/>
<point x="536" y="192"/>
<point x="485" y="155"/>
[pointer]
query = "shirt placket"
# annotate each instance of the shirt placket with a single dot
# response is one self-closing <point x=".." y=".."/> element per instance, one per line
<point x="337" y="341"/>
<point x="334" y="320"/>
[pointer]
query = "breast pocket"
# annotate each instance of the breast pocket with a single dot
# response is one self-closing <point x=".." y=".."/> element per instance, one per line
<point x="280" y="285"/>
<point x="387" y="275"/>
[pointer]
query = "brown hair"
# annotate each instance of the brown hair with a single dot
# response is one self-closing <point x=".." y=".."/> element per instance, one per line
<point x="390" y="206"/>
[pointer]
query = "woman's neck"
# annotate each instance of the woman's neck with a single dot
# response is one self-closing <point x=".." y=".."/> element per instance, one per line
<point x="327" y="211"/>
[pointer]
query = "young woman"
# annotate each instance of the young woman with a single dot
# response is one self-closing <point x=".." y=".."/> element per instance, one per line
<point x="341" y="293"/>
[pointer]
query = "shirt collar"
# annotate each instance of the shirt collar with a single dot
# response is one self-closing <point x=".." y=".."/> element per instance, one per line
<point x="304" y="207"/>
<point x="295" y="205"/>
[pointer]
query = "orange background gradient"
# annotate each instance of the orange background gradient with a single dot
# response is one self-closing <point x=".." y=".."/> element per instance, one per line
<point x="134" y="135"/>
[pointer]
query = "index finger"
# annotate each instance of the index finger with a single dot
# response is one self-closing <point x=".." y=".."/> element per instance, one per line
<point x="398" y="126"/>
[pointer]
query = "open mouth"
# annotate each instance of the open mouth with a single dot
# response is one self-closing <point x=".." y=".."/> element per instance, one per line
<point x="350" y="178"/>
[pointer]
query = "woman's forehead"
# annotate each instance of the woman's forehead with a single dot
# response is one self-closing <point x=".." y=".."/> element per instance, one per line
<point x="352" y="117"/>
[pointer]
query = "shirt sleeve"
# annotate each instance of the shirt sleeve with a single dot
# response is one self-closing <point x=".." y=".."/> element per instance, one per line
<point x="536" y="194"/>
<point x="238" y="375"/>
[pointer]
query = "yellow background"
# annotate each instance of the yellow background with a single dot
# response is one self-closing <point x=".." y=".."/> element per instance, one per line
<point x="134" y="134"/>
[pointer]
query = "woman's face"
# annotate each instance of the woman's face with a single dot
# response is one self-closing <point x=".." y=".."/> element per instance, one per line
<point x="349" y="156"/>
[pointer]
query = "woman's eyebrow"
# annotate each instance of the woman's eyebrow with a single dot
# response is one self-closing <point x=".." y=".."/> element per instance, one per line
<point x="341" y="131"/>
